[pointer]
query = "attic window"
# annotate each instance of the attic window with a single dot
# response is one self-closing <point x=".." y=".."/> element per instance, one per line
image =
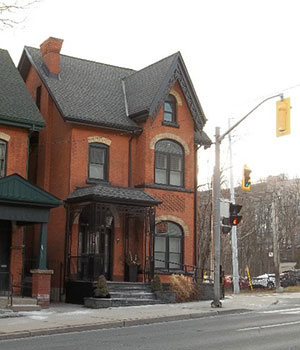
<point x="170" y="110"/>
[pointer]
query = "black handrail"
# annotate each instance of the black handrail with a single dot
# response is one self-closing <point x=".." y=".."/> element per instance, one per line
<point x="194" y="270"/>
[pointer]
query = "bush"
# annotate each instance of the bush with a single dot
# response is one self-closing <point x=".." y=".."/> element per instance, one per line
<point x="156" y="285"/>
<point x="101" y="291"/>
<point x="183" y="287"/>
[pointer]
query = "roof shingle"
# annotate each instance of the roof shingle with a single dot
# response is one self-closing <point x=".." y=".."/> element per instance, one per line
<point x="110" y="193"/>
<point x="16" y="104"/>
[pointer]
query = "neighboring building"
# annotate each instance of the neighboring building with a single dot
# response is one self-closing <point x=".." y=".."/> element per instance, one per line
<point x="22" y="204"/>
<point x="119" y="147"/>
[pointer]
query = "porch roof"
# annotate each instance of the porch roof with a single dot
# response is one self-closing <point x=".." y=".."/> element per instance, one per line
<point x="113" y="194"/>
<point x="22" y="201"/>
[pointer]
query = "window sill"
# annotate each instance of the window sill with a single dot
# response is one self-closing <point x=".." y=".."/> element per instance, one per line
<point x="171" y="124"/>
<point x="96" y="181"/>
<point x="166" y="187"/>
<point x="168" y="272"/>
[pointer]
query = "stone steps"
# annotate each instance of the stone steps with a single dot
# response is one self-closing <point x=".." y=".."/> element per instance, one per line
<point x="124" y="294"/>
<point x="100" y="303"/>
<point x="132" y="286"/>
<point x="132" y="295"/>
<point x="19" y="304"/>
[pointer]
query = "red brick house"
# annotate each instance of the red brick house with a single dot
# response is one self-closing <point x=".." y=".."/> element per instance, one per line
<point x="119" y="147"/>
<point x="22" y="204"/>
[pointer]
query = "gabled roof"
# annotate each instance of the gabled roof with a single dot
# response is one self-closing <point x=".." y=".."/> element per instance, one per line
<point x="109" y="96"/>
<point x="86" y="92"/>
<point x="16" y="105"/>
<point x="14" y="189"/>
<point x="147" y="89"/>
<point x="113" y="194"/>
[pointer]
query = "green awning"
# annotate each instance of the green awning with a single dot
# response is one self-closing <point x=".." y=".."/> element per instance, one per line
<point x="22" y="201"/>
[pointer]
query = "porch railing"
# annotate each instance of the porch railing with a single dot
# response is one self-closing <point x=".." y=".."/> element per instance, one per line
<point x="90" y="267"/>
<point x="196" y="273"/>
<point x="6" y="286"/>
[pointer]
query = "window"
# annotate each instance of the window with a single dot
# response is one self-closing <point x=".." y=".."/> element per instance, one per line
<point x="98" y="161"/>
<point x="38" y="97"/>
<point x="168" y="246"/>
<point x="169" y="163"/>
<point x="170" y="110"/>
<point x="2" y="158"/>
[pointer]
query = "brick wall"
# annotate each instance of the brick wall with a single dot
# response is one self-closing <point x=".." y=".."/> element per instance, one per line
<point x="17" y="146"/>
<point x="63" y="165"/>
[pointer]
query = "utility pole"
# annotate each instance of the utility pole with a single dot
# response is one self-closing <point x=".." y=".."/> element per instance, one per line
<point x="276" y="251"/>
<point x="216" y="200"/>
<point x="216" y="222"/>
<point x="234" y="247"/>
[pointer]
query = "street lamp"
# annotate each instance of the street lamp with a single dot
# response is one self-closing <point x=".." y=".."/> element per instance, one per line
<point x="216" y="202"/>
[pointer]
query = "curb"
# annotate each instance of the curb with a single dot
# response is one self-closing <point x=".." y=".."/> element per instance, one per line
<point x="115" y="324"/>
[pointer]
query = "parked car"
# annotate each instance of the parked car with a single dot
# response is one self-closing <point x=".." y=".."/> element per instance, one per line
<point x="228" y="282"/>
<point x="290" y="278"/>
<point x="266" y="280"/>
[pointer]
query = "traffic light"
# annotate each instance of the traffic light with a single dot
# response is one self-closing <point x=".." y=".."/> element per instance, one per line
<point x="283" y="124"/>
<point x="246" y="180"/>
<point x="234" y="218"/>
<point x="230" y="217"/>
<point x="226" y="227"/>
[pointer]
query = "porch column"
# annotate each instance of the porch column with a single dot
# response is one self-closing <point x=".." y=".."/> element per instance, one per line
<point x="151" y="243"/>
<point x="43" y="247"/>
<point x="41" y="286"/>
<point x="41" y="277"/>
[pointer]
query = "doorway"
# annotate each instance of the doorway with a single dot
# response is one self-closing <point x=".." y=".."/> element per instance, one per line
<point x="5" y="244"/>
<point x="95" y="243"/>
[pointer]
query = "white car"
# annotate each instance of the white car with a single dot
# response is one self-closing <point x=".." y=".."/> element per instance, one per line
<point x="266" y="280"/>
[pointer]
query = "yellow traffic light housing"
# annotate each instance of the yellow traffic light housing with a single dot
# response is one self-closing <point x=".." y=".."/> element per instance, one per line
<point x="283" y="123"/>
<point x="246" y="179"/>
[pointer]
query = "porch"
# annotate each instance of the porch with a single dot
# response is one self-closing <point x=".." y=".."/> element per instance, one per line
<point x="110" y="232"/>
<point x="23" y="206"/>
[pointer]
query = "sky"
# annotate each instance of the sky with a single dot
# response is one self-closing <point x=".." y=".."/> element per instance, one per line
<point x="237" y="52"/>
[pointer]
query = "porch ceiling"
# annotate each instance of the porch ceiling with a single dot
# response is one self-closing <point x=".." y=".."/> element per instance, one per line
<point x="107" y="193"/>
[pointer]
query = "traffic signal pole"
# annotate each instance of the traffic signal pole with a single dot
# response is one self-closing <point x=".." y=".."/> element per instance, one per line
<point x="234" y="247"/>
<point x="216" y="303"/>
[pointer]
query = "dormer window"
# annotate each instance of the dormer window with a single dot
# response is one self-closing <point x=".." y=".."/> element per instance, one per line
<point x="170" y="110"/>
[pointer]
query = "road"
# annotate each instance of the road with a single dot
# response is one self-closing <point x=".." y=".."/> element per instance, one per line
<point x="275" y="328"/>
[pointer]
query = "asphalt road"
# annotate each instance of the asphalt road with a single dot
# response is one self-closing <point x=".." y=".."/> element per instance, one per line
<point x="277" y="328"/>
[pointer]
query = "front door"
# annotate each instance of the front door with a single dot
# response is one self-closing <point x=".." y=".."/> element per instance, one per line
<point x="95" y="244"/>
<point x="5" y="243"/>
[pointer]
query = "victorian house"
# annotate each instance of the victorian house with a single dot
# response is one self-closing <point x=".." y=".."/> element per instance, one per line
<point x="120" y="149"/>
<point x="24" y="207"/>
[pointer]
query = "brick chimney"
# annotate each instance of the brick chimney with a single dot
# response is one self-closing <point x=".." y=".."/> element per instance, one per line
<point x="50" y="50"/>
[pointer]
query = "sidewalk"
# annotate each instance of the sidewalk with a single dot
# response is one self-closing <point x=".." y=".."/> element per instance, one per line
<point x="62" y="318"/>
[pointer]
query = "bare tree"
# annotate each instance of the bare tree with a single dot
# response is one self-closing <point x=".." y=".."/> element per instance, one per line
<point x="12" y="12"/>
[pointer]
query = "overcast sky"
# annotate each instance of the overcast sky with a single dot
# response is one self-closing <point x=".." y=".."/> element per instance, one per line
<point x="237" y="52"/>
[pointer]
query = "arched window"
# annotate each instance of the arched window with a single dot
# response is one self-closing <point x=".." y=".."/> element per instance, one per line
<point x="168" y="248"/>
<point x="98" y="161"/>
<point x="169" y="167"/>
<point x="3" y="147"/>
<point x="170" y="110"/>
